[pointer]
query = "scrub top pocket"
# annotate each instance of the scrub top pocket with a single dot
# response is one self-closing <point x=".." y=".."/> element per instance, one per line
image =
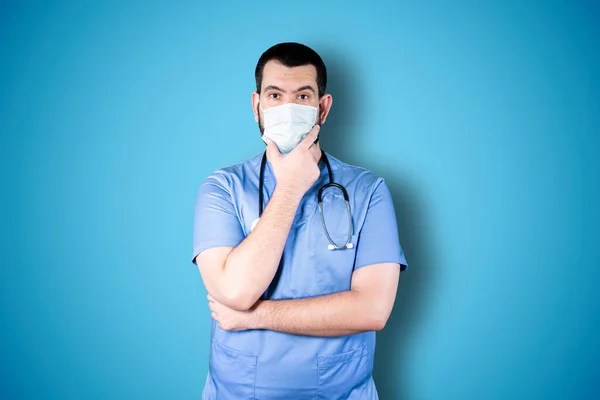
<point x="333" y="268"/>
<point x="233" y="372"/>
<point x="341" y="374"/>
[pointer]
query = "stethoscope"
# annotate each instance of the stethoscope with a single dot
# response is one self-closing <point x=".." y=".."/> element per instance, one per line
<point x="332" y="245"/>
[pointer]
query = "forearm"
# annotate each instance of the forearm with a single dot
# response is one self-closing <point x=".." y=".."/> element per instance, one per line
<point x="251" y="266"/>
<point x="337" y="314"/>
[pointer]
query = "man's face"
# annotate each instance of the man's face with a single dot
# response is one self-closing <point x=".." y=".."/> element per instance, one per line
<point x="281" y="84"/>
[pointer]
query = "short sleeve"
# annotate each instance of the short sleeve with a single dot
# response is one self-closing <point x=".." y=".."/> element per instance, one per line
<point x="378" y="241"/>
<point x="215" y="219"/>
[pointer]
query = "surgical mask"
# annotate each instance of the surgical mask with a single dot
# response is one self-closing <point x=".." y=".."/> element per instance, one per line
<point x="288" y="124"/>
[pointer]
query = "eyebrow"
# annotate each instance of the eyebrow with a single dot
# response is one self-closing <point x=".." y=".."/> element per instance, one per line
<point x="305" y="87"/>
<point x="301" y="88"/>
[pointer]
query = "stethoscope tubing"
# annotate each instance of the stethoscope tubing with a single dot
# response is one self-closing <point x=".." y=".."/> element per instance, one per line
<point x="332" y="245"/>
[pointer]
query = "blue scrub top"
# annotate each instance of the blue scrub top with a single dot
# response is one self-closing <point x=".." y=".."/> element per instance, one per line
<point x="264" y="364"/>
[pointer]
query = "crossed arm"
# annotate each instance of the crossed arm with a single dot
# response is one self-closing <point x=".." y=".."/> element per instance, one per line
<point x="236" y="277"/>
<point x="365" y="307"/>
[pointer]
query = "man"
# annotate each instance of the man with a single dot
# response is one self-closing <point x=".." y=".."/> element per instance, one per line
<point x="298" y="290"/>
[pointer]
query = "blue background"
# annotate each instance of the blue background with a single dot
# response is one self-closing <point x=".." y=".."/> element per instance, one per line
<point x="483" y="118"/>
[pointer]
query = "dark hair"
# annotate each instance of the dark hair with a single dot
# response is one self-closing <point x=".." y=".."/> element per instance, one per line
<point x="292" y="55"/>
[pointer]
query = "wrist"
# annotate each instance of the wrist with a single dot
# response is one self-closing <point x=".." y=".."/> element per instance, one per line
<point x="289" y="191"/>
<point x="260" y="315"/>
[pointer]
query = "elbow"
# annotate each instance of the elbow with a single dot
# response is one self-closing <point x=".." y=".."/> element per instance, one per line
<point x="374" y="322"/>
<point x="376" y="308"/>
<point x="239" y="300"/>
<point x="237" y="295"/>
<point x="378" y="319"/>
<point x="242" y="303"/>
<point x="378" y="324"/>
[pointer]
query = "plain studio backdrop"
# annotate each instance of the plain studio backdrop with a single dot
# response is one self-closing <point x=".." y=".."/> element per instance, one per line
<point x="482" y="117"/>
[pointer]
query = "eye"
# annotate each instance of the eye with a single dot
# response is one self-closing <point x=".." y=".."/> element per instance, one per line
<point x="274" y="95"/>
<point x="303" y="96"/>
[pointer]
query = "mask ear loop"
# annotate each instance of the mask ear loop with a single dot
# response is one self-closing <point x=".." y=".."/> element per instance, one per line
<point x="261" y="167"/>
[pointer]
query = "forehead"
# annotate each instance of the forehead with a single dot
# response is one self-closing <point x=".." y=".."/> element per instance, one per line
<point x="279" y="75"/>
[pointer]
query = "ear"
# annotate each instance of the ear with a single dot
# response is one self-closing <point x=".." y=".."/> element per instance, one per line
<point x="325" y="105"/>
<point x="255" y="101"/>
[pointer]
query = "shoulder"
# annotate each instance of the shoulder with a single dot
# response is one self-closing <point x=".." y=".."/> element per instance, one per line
<point x="360" y="179"/>
<point x="228" y="176"/>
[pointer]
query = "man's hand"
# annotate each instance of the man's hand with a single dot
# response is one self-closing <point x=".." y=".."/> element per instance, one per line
<point x="298" y="170"/>
<point x="230" y="319"/>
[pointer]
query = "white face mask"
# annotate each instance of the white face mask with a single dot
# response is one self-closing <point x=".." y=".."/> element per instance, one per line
<point x="288" y="124"/>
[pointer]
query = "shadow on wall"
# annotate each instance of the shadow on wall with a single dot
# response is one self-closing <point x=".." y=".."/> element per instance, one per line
<point x="339" y="130"/>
